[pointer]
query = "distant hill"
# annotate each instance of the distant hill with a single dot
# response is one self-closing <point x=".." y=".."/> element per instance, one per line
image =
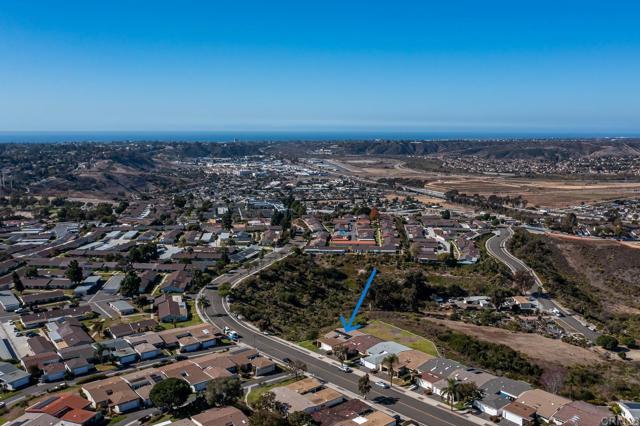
<point x="550" y="149"/>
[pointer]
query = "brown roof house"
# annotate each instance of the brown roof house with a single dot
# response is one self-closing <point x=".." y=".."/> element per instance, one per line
<point x="113" y="393"/>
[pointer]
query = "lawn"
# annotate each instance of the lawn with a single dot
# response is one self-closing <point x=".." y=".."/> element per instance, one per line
<point x="385" y="331"/>
<point x="7" y="394"/>
<point x="309" y="344"/>
<point x="116" y="419"/>
<point x="258" y="391"/>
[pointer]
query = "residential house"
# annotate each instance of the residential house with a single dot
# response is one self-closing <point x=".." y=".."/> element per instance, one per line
<point x="12" y="378"/>
<point x="67" y="332"/>
<point x="221" y="416"/>
<point x="176" y="282"/>
<point x="78" y="366"/>
<point x="498" y="393"/>
<point x="189" y="372"/>
<point x="146" y="351"/>
<point x="544" y="403"/>
<point x="377" y="353"/>
<point x="122" y="307"/>
<point x="43" y="297"/>
<point x="519" y="414"/>
<point x="435" y="370"/>
<point x="8" y="301"/>
<point x="171" y="308"/>
<point x="53" y="372"/>
<point x="122" y="330"/>
<point x="580" y="413"/>
<point x="68" y="407"/>
<point x="113" y="393"/>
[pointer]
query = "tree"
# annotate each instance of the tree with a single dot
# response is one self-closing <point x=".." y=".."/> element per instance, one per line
<point x="390" y="362"/>
<point x="608" y="342"/>
<point x="31" y="271"/>
<point x="301" y="418"/>
<point x="130" y="285"/>
<point x="342" y="353"/>
<point x="227" y="220"/>
<point x="266" y="418"/>
<point x="74" y="272"/>
<point x="170" y="393"/>
<point x="17" y="282"/>
<point x="203" y="302"/>
<point x="268" y="402"/>
<point x="223" y="391"/>
<point x="297" y="368"/>
<point x="98" y="352"/>
<point x="523" y="281"/>
<point x="450" y="392"/>
<point x="97" y="326"/>
<point x="445" y="214"/>
<point x="469" y="392"/>
<point x="364" y="385"/>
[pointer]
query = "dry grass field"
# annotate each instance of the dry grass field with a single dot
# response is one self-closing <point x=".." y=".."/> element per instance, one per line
<point x="535" y="346"/>
<point x="539" y="192"/>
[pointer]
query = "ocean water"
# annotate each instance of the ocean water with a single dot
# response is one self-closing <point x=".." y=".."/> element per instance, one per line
<point x="272" y="136"/>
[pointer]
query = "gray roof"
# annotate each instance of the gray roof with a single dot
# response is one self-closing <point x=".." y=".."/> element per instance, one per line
<point x="121" y="305"/>
<point x="505" y="386"/>
<point x="114" y="282"/>
<point x="440" y="366"/>
<point x="387" y="348"/>
<point x="9" y="373"/>
<point x="34" y="419"/>
<point x="495" y="401"/>
<point x="7" y="298"/>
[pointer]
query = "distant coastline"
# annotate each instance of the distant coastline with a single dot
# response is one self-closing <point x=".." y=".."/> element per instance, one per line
<point x="276" y="136"/>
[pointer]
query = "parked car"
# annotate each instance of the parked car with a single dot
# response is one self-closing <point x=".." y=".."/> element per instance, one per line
<point x="383" y="385"/>
<point x="286" y="360"/>
<point x="345" y="368"/>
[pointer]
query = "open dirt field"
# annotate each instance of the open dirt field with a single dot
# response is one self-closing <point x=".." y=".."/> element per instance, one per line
<point x="538" y="192"/>
<point x="533" y="345"/>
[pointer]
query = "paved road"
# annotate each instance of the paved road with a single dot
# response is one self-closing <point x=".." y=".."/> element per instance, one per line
<point x="394" y="399"/>
<point x="497" y="247"/>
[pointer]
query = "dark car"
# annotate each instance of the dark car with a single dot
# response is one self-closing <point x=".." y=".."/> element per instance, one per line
<point x="286" y="360"/>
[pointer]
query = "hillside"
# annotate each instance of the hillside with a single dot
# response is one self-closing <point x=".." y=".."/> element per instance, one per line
<point x="598" y="279"/>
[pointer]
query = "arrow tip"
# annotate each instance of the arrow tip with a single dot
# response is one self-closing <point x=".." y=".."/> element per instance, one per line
<point x="347" y="326"/>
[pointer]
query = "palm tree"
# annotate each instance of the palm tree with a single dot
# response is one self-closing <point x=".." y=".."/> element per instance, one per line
<point x="450" y="393"/>
<point x="342" y="353"/>
<point x="97" y="326"/>
<point x="203" y="302"/>
<point x="98" y="352"/>
<point x="390" y="362"/>
<point x="364" y="385"/>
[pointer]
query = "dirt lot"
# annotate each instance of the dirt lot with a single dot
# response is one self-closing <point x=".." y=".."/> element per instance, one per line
<point x="539" y="192"/>
<point x="533" y="345"/>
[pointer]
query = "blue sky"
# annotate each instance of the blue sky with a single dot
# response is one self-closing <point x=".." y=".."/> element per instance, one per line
<point x="550" y="66"/>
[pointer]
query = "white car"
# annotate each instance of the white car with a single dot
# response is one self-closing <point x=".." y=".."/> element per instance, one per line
<point x="345" y="368"/>
<point x="383" y="385"/>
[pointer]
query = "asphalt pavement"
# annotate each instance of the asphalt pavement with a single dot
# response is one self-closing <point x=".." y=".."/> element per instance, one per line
<point x="497" y="247"/>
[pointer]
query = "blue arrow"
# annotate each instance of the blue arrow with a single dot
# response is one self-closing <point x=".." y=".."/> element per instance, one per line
<point x="349" y="326"/>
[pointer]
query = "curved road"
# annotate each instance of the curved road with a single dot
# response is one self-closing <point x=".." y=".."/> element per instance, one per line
<point x="497" y="247"/>
<point x="394" y="399"/>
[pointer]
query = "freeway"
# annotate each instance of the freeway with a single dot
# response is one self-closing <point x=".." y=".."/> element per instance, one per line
<point x="497" y="247"/>
<point x="324" y="368"/>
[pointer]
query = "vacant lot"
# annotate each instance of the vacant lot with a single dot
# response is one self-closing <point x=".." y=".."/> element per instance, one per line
<point x="536" y="347"/>
<point x="385" y="331"/>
